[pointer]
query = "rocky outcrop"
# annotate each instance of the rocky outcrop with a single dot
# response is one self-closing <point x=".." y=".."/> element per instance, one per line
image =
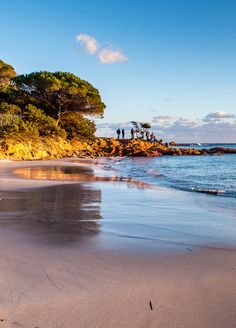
<point x="220" y="151"/>
<point x="108" y="147"/>
<point x="45" y="148"/>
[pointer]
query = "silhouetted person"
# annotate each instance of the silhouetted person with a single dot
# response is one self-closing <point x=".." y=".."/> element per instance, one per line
<point x="132" y="133"/>
<point x="153" y="137"/>
<point x="148" y="135"/>
<point x="123" y="134"/>
<point x="118" y="133"/>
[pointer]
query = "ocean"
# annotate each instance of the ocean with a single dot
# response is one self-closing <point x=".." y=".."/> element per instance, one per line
<point x="215" y="175"/>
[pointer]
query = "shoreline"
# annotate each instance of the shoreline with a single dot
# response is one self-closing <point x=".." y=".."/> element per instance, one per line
<point x="55" y="275"/>
<point x="27" y="176"/>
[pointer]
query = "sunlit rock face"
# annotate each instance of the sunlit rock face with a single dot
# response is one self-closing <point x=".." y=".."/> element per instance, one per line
<point x="108" y="147"/>
<point x="102" y="147"/>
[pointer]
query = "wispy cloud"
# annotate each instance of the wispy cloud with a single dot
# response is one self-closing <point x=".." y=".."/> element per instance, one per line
<point x="88" y="42"/>
<point x="164" y="117"/>
<point x="182" y="129"/>
<point x="183" y="119"/>
<point x="163" y="120"/>
<point x="104" y="55"/>
<point x="217" y="116"/>
<point x="107" y="56"/>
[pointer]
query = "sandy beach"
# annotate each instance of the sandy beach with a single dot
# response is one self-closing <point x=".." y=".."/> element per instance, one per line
<point x="75" y="252"/>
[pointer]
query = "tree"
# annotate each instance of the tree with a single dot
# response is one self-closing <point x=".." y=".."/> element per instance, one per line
<point x="59" y="94"/>
<point x="45" y="103"/>
<point x="77" y="126"/>
<point x="145" y="125"/>
<point x="140" y="128"/>
<point x="7" y="72"/>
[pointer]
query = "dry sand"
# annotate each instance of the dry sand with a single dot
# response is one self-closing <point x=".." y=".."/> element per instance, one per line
<point x="77" y="284"/>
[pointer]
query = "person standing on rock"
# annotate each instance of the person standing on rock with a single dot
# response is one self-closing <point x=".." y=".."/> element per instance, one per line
<point x="148" y="135"/>
<point x="123" y="134"/>
<point x="132" y="133"/>
<point x="118" y="133"/>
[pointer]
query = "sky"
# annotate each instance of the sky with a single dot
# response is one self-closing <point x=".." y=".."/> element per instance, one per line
<point x="171" y="63"/>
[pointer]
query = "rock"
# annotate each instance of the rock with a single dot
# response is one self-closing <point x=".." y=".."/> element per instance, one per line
<point x="221" y="150"/>
<point x="107" y="147"/>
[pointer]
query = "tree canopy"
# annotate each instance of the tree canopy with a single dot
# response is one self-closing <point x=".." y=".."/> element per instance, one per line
<point x="58" y="94"/>
<point x="47" y="103"/>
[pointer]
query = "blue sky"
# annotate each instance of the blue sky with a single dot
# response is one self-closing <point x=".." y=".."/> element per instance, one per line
<point x="173" y="61"/>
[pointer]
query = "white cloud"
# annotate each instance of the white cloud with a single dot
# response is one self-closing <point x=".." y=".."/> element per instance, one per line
<point x="88" y="42"/>
<point x="217" y="116"/>
<point x="183" y="119"/>
<point x="107" y="56"/>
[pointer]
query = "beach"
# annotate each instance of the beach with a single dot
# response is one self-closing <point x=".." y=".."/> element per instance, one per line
<point x="96" y="250"/>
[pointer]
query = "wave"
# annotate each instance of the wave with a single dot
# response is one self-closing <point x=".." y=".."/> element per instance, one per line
<point x="207" y="175"/>
<point x="155" y="173"/>
<point x="208" y="191"/>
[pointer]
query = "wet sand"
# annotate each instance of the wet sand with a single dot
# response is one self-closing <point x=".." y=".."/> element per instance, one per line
<point x="75" y="255"/>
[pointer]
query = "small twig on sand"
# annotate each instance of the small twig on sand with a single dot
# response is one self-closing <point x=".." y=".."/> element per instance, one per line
<point x="150" y="304"/>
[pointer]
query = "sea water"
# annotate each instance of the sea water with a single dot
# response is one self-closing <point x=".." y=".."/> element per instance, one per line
<point x="208" y="174"/>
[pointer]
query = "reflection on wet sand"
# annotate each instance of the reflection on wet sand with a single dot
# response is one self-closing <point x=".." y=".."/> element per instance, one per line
<point x="64" y="173"/>
<point x="61" y="213"/>
<point x="71" y="173"/>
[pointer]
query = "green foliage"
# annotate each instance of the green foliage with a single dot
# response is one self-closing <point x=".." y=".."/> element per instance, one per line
<point x="77" y="126"/>
<point x="7" y="72"/>
<point x="12" y="109"/>
<point x="40" y="122"/>
<point x="9" y="119"/>
<point x="45" y="104"/>
<point x="145" y="125"/>
<point x="59" y="93"/>
<point x="31" y="121"/>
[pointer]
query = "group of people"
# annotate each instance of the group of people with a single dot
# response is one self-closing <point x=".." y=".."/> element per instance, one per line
<point x="122" y="132"/>
<point x="143" y="134"/>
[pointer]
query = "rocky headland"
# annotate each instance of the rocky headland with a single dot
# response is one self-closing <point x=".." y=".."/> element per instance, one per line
<point x="49" y="148"/>
<point x="107" y="147"/>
